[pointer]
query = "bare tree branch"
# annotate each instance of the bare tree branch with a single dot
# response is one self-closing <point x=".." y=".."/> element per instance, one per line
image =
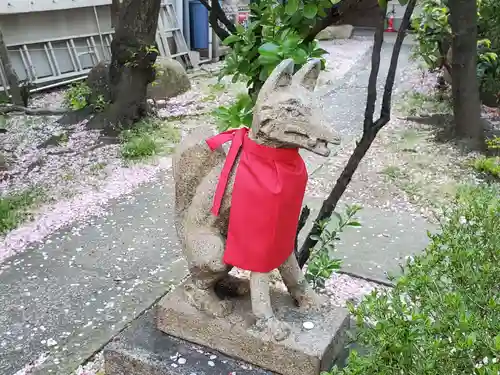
<point x="5" y="109"/>
<point x="369" y="132"/>
<point x="304" y="215"/>
<point x="372" y="80"/>
<point x="218" y="15"/>
<point x="335" y="16"/>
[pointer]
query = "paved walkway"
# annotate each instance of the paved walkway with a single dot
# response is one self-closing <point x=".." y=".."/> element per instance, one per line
<point x="69" y="296"/>
<point x="65" y="299"/>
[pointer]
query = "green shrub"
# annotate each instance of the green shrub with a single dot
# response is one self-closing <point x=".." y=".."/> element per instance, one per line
<point x="489" y="21"/>
<point x="488" y="68"/>
<point x="432" y="32"/>
<point x="276" y="31"/>
<point x="236" y="115"/>
<point x="433" y="35"/>
<point x="443" y="315"/>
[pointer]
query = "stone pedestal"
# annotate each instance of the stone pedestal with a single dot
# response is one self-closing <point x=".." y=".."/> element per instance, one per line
<point x="304" y="352"/>
<point x="141" y="349"/>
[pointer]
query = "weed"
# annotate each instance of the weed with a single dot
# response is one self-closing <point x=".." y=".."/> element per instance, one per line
<point x="148" y="138"/>
<point x="99" y="104"/>
<point x="64" y="138"/>
<point x="138" y="146"/>
<point x="77" y="96"/>
<point x="209" y="98"/>
<point x="418" y="104"/>
<point x="393" y="172"/>
<point x="217" y="88"/>
<point x="493" y="143"/>
<point x="490" y="166"/>
<point x="94" y="168"/>
<point x="68" y="176"/>
<point x="15" y="208"/>
<point x="322" y="262"/>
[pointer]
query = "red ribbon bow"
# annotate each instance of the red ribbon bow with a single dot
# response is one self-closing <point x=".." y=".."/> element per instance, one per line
<point x="236" y="136"/>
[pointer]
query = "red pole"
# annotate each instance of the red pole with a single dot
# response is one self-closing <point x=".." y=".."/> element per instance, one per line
<point x="390" y="24"/>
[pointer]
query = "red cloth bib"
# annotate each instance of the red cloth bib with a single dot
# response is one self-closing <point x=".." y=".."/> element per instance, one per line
<point x="269" y="187"/>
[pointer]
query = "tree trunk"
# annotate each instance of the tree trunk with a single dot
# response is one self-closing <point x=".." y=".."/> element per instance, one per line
<point x="465" y="88"/>
<point x="12" y="80"/>
<point x="115" y="13"/>
<point x="131" y="70"/>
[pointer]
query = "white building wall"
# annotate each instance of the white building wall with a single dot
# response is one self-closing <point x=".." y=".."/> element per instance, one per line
<point x="59" y="40"/>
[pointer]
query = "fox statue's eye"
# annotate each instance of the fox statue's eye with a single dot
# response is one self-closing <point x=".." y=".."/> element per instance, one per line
<point x="290" y="129"/>
<point x="293" y="102"/>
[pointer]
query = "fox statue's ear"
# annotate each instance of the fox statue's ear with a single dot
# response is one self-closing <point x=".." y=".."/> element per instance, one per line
<point x="281" y="76"/>
<point x="307" y="76"/>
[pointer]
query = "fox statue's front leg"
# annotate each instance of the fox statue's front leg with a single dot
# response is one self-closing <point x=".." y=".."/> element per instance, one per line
<point x="262" y="309"/>
<point x="297" y="286"/>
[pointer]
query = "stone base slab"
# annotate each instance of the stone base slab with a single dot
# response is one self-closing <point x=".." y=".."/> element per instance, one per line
<point x="304" y="352"/>
<point x="141" y="349"/>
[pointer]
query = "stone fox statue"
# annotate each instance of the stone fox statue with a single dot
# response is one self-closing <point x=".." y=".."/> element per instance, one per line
<point x="284" y="120"/>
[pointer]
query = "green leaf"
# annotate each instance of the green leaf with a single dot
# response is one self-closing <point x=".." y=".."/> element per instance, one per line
<point x="231" y="39"/>
<point x="291" y="7"/>
<point x="269" y="49"/>
<point x="268" y="60"/>
<point x="338" y="216"/>
<point x="310" y="11"/>
<point x="382" y="4"/>
<point x="336" y="1"/>
<point x="318" y="52"/>
<point x="299" y="56"/>
<point x="239" y="28"/>
<point x="471" y="339"/>
<point x="497" y="343"/>
<point x="290" y="44"/>
<point x="263" y="75"/>
<point x="321" y="12"/>
<point x="403" y="2"/>
<point x="353" y="224"/>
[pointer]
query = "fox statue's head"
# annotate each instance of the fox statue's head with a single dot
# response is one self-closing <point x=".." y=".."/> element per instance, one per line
<point x="286" y="114"/>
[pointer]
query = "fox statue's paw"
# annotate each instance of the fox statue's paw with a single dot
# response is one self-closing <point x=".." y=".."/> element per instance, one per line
<point x="274" y="327"/>
<point x="306" y="297"/>
<point x="207" y="301"/>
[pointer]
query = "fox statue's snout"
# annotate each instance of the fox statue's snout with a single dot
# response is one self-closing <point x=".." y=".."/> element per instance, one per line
<point x="286" y="113"/>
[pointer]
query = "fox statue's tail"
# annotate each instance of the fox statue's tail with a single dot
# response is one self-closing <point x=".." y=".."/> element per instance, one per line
<point x="192" y="161"/>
